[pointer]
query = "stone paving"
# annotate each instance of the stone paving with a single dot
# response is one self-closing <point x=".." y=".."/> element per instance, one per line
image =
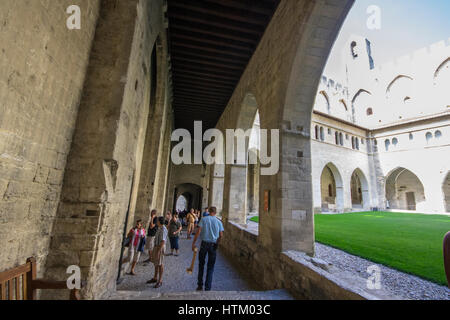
<point x="178" y="284"/>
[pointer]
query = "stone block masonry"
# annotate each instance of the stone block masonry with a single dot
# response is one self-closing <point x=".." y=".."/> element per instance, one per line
<point x="42" y="72"/>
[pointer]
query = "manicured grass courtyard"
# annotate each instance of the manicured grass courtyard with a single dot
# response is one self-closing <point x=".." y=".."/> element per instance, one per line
<point x="408" y="242"/>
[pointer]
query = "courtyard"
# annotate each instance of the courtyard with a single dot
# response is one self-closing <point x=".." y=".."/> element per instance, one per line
<point x="408" y="242"/>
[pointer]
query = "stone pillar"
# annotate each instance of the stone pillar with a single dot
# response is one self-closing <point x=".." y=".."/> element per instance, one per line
<point x="434" y="194"/>
<point x="237" y="194"/>
<point x="152" y="157"/>
<point x="217" y="187"/>
<point x="162" y="175"/>
<point x="295" y="198"/>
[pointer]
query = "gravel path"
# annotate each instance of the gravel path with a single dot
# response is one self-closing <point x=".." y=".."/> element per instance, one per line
<point x="398" y="283"/>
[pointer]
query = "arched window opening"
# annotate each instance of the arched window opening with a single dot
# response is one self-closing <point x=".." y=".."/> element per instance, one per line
<point x="182" y="204"/>
<point x="429" y="136"/>
<point x="387" y="144"/>
<point x="395" y="142"/>
<point x="438" y="134"/>
<point x="317" y="132"/>
<point x="322" y="134"/>
<point x="341" y="139"/>
<point x="354" y="50"/>
<point x="369" y="112"/>
<point x="411" y="136"/>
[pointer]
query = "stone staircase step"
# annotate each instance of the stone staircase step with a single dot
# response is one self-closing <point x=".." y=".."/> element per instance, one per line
<point x="202" y="295"/>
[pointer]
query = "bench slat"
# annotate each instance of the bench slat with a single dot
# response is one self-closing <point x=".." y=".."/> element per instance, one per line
<point x="13" y="273"/>
<point x="3" y="288"/>
<point x="18" y="288"/>
<point x="10" y="290"/>
<point x="24" y="287"/>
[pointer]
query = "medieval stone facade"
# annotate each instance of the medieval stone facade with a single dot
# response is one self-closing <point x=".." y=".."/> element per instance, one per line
<point x="381" y="138"/>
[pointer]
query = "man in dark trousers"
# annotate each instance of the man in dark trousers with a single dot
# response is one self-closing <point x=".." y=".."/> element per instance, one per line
<point x="210" y="230"/>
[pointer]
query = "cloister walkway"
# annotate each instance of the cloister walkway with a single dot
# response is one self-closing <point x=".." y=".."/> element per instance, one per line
<point x="179" y="285"/>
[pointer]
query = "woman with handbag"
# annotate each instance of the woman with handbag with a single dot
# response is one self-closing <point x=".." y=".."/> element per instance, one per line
<point x="137" y="241"/>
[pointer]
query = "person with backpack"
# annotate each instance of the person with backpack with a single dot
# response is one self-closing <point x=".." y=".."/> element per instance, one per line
<point x="151" y="234"/>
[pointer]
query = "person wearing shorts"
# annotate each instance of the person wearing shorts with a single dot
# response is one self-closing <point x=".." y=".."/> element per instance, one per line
<point x="151" y="235"/>
<point x="191" y="223"/>
<point x="137" y="243"/>
<point x="158" y="253"/>
<point x="174" y="229"/>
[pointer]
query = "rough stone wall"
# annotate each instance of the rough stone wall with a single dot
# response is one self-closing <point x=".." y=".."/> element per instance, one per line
<point x="107" y="145"/>
<point x="42" y="72"/>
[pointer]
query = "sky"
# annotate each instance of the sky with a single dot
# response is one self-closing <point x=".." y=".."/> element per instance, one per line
<point x="406" y="26"/>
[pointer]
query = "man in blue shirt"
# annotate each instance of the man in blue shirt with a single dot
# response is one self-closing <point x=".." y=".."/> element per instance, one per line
<point x="210" y="230"/>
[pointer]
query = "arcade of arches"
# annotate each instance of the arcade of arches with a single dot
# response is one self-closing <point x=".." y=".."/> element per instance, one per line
<point x="86" y="134"/>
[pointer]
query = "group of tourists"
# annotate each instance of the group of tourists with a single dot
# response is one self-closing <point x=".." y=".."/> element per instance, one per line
<point x="168" y="229"/>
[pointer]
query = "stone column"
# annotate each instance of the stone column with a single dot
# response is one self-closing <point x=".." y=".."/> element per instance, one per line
<point x="162" y="177"/>
<point x="237" y="198"/>
<point x="434" y="194"/>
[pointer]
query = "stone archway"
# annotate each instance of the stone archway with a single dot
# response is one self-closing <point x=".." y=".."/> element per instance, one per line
<point x="332" y="189"/>
<point x="182" y="203"/>
<point x="404" y="190"/>
<point x="359" y="188"/>
<point x="237" y="200"/>
<point x="192" y="193"/>
<point x="446" y="191"/>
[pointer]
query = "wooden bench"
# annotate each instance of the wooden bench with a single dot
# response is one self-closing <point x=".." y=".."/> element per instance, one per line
<point x="20" y="283"/>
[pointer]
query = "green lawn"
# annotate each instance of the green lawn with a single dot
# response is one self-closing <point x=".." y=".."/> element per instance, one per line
<point x="408" y="242"/>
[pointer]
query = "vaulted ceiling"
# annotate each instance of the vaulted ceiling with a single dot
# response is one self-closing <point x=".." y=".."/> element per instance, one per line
<point x="211" y="43"/>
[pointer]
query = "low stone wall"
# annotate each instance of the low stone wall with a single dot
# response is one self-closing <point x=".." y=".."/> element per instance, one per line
<point x="304" y="276"/>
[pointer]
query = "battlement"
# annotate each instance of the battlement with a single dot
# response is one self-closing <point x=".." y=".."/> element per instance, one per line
<point x="417" y="57"/>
